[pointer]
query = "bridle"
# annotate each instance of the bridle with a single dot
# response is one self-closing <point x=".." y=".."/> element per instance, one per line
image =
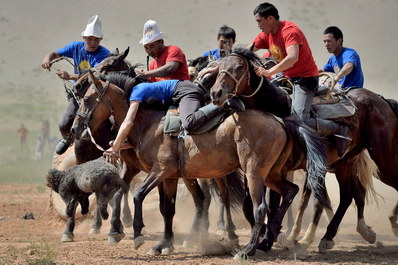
<point x="101" y="97"/>
<point x="238" y="81"/>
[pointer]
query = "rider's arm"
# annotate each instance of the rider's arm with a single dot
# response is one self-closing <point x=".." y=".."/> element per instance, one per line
<point x="347" y="68"/>
<point x="47" y="60"/>
<point x="165" y="70"/>
<point x="125" y="127"/>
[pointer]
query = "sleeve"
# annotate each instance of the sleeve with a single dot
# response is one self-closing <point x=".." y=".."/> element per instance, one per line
<point x="292" y="36"/>
<point x="175" y="54"/>
<point x="260" y="41"/>
<point x="138" y="92"/>
<point x="351" y="57"/>
<point x="328" y="67"/>
<point x="67" y="50"/>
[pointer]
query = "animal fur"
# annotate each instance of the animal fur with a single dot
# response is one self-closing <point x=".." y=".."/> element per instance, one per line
<point x="76" y="184"/>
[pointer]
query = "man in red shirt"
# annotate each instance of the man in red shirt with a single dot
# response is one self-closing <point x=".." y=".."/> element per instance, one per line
<point x="289" y="47"/>
<point x="169" y="61"/>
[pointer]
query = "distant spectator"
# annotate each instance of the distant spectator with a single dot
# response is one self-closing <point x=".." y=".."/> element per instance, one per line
<point x="45" y="132"/>
<point x="39" y="147"/>
<point x="22" y="134"/>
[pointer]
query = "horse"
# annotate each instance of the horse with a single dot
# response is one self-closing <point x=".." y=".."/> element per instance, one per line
<point x="374" y="128"/>
<point x="237" y="143"/>
<point x="117" y="61"/>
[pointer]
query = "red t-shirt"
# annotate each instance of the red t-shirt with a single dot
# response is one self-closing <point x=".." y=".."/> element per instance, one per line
<point x="171" y="53"/>
<point x="289" y="34"/>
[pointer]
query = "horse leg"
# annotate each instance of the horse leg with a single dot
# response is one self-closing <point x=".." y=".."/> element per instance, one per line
<point x="151" y="181"/>
<point x="68" y="235"/>
<point x="273" y="205"/>
<point x="230" y="227"/>
<point x="393" y="220"/>
<point x="288" y="191"/>
<point x="290" y="221"/>
<point x="127" y="217"/>
<point x="116" y="232"/>
<point x="199" y="226"/>
<point x="167" y="206"/>
<point x="309" y="236"/>
<point x="305" y="197"/>
<point x="363" y="229"/>
<point x="257" y="194"/>
<point x="346" y="186"/>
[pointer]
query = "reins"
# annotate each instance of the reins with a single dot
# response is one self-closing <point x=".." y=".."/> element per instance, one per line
<point x="237" y="82"/>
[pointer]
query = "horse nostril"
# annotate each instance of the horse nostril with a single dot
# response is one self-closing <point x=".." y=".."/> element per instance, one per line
<point x="219" y="93"/>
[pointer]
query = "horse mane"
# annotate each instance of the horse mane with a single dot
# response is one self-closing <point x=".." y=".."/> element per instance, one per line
<point x="124" y="82"/>
<point x="270" y="98"/>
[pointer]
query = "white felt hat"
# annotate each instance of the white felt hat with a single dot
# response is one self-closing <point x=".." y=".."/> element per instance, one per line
<point x="93" y="28"/>
<point x="151" y="33"/>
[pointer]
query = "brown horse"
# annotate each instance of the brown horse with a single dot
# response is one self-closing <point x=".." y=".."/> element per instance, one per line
<point x="238" y="143"/>
<point x="375" y="128"/>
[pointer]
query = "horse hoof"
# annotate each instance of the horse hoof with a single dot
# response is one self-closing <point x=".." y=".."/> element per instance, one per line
<point x="281" y="240"/>
<point x="325" y="245"/>
<point x="138" y="242"/>
<point x="94" y="231"/>
<point x="153" y="252"/>
<point x="67" y="238"/>
<point x="241" y="257"/>
<point x="116" y="238"/>
<point x="167" y="251"/>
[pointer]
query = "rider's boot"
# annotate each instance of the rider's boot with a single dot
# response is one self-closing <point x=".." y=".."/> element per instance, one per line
<point x="327" y="127"/>
<point x="63" y="145"/>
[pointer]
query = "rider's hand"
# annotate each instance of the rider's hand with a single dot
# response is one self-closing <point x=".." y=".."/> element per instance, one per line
<point x="63" y="75"/>
<point x="260" y="71"/>
<point x="141" y="74"/>
<point x="111" y="156"/>
<point x="210" y="70"/>
<point x="46" y="65"/>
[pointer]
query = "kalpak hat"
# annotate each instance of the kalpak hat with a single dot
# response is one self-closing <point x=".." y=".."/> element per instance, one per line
<point x="151" y="33"/>
<point x="93" y="28"/>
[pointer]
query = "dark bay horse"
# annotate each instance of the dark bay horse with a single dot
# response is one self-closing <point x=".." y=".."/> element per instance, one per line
<point x="253" y="141"/>
<point x="374" y="128"/>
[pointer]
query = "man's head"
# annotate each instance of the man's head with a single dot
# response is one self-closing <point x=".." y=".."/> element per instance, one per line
<point x="333" y="39"/>
<point x="152" y="39"/>
<point x="92" y="35"/>
<point x="267" y="17"/>
<point x="226" y="38"/>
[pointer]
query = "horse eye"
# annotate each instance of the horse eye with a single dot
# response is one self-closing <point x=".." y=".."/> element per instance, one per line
<point x="239" y="68"/>
<point x="85" y="99"/>
<point x="78" y="86"/>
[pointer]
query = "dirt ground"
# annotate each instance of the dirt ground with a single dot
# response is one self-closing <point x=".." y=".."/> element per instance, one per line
<point x="37" y="241"/>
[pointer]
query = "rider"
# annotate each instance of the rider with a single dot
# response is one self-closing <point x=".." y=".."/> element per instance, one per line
<point x="169" y="61"/>
<point x="289" y="46"/>
<point x="345" y="62"/>
<point x="226" y="37"/>
<point x="86" y="54"/>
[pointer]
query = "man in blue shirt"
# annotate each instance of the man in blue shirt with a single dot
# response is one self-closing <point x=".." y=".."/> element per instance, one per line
<point x="344" y="62"/>
<point x="85" y="54"/>
<point x="225" y="38"/>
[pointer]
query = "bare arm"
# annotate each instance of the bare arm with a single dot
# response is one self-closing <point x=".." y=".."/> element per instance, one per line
<point x="290" y="59"/>
<point x="347" y="68"/>
<point x="166" y="70"/>
<point x="125" y="128"/>
<point x="47" y="60"/>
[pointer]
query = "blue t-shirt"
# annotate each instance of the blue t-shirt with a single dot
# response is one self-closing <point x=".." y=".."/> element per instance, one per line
<point x="335" y="64"/>
<point x="82" y="58"/>
<point x="215" y="53"/>
<point x="157" y="92"/>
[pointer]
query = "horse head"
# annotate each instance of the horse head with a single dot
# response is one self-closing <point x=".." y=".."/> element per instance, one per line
<point x="95" y="108"/>
<point x="233" y="78"/>
<point x="114" y="62"/>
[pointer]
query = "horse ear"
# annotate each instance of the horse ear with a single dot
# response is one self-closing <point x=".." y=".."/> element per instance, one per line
<point x="125" y="53"/>
<point x="91" y="77"/>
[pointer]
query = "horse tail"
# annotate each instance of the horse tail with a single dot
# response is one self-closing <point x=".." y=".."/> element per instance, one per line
<point x="235" y="186"/>
<point x="366" y="169"/>
<point x="314" y="147"/>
